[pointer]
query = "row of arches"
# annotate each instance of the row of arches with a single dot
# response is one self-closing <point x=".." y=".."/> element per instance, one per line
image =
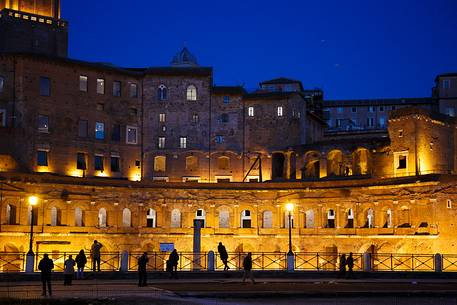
<point x="191" y="93"/>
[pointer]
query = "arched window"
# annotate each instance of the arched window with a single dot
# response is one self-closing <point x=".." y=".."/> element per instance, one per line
<point x="350" y="218"/>
<point x="201" y="215"/>
<point x="267" y="220"/>
<point x="56" y="215"/>
<point x="126" y="218"/>
<point x="224" y="218"/>
<point x="10" y="214"/>
<point x="33" y="210"/>
<point x="160" y="163"/>
<point x="246" y="219"/>
<point x="223" y="163"/>
<point x="191" y="163"/>
<point x="162" y="93"/>
<point x="370" y="218"/>
<point x="102" y="218"/>
<point x="175" y="218"/>
<point x="286" y="219"/>
<point x="309" y="219"/>
<point x="331" y="219"/>
<point x="79" y="217"/>
<point x="388" y="223"/>
<point x="191" y="93"/>
<point x="151" y="219"/>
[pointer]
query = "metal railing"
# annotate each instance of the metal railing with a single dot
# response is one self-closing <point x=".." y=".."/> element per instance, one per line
<point x="260" y="261"/>
<point x="188" y="261"/>
<point x="403" y="262"/>
<point x="109" y="261"/>
<point x="12" y="262"/>
<point x="324" y="261"/>
<point x="449" y="262"/>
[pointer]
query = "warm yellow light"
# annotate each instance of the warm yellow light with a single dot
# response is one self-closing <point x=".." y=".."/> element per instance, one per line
<point x="76" y="173"/>
<point x="135" y="177"/>
<point x="101" y="174"/>
<point x="290" y="207"/>
<point x="33" y="200"/>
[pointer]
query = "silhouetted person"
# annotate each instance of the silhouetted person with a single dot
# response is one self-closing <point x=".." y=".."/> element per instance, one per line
<point x="68" y="270"/>
<point x="350" y="264"/>
<point x="81" y="261"/>
<point x="224" y="255"/>
<point x="172" y="264"/>
<point x="343" y="262"/>
<point x="45" y="266"/>
<point x="142" y="273"/>
<point x="247" y="266"/>
<point x="95" y="253"/>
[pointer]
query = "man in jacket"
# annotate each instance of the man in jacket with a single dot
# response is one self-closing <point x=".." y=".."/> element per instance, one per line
<point x="45" y="266"/>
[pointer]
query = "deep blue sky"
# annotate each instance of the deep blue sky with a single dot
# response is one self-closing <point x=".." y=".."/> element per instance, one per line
<point x="351" y="49"/>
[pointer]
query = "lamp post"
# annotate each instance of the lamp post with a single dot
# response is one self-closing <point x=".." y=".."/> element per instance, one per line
<point x="290" y="209"/>
<point x="30" y="260"/>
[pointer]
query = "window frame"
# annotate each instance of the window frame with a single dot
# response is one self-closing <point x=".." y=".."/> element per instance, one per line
<point x="2" y="117"/>
<point x="99" y="163"/>
<point x="81" y="164"/>
<point x="45" y="81"/>
<point x="133" y="86"/>
<point x="127" y="141"/>
<point x="46" y="128"/>
<point x="183" y="142"/>
<point x="161" y="142"/>
<point x="44" y="153"/>
<point x="117" y="168"/>
<point x="117" y="93"/>
<point x="97" y="131"/>
<point x="162" y="117"/>
<point x="162" y="92"/>
<point x="191" y="93"/>
<point x="226" y="99"/>
<point x="86" y="128"/>
<point x="83" y="83"/>
<point x="103" y="86"/>
<point x="280" y="111"/>
<point x="251" y="112"/>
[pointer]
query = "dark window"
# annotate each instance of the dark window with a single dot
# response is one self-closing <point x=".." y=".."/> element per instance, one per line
<point x="81" y="161"/>
<point x="100" y="106"/>
<point x="116" y="133"/>
<point x="162" y="93"/>
<point x="117" y="88"/>
<point x="354" y="109"/>
<point x="82" y="128"/>
<point x="45" y="86"/>
<point x="115" y="167"/>
<point x="246" y="223"/>
<point x="99" y="163"/>
<point x="224" y="118"/>
<point x="42" y="158"/>
<point x="43" y="123"/>
<point x="133" y="111"/>
<point x="199" y="213"/>
<point x="401" y="162"/>
<point x="2" y="83"/>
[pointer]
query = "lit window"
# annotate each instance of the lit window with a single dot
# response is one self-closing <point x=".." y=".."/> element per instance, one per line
<point x="132" y="135"/>
<point x="161" y="143"/>
<point x="83" y="83"/>
<point x="160" y="163"/>
<point x="98" y="164"/>
<point x="117" y="88"/>
<point x="43" y="123"/>
<point x="400" y="133"/>
<point x="99" y="131"/>
<point x="449" y="204"/>
<point x="151" y="218"/>
<point x="195" y="118"/>
<point x="183" y="142"/>
<point x="82" y="128"/>
<point x="81" y="161"/>
<point x="339" y="109"/>
<point x="45" y="86"/>
<point x="162" y="93"/>
<point x="133" y="90"/>
<point x="280" y="111"/>
<point x="162" y="117"/>
<point x="382" y="122"/>
<point x="42" y="158"/>
<point x="100" y="86"/>
<point x="219" y="139"/>
<point x="371" y="109"/>
<point x="2" y="117"/>
<point x="223" y="163"/>
<point x="115" y="164"/>
<point x="226" y="99"/>
<point x="191" y="93"/>
<point x="446" y="83"/>
<point x="251" y="111"/>
<point x="2" y="83"/>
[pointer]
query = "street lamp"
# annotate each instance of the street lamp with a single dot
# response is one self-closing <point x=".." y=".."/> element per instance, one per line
<point x="33" y="201"/>
<point x="290" y="209"/>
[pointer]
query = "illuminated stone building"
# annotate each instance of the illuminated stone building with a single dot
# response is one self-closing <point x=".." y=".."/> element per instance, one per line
<point x="131" y="157"/>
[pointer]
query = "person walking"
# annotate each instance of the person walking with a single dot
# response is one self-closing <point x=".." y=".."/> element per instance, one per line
<point x="350" y="264"/>
<point x="142" y="272"/>
<point x="343" y="263"/>
<point x="69" y="270"/>
<point x="95" y="254"/>
<point x="45" y="266"/>
<point x="81" y="261"/>
<point x="223" y="255"/>
<point x="247" y="266"/>
<point x="172" y="264"/>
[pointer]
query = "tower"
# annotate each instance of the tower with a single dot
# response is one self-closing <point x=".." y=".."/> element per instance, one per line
<point x="33" y="26"/>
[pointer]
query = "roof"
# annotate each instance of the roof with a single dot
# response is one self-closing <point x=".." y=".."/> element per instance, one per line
<point x="448" y="74"/>
<point x="270" y="95"/>
<point x="282" y="80"/>
<point x="184" y="59"/>
<point x="234" y="90"/>
<point x="403" y="112"/>
<point x="178" y="71"/>
<point x="376" y="102"/>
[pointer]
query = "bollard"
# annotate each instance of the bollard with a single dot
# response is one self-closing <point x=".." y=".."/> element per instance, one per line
<point x="30" y="263"/>
<point x="367" y="262"/>
<point x="290" y="262"/>
<point x="438" y="262"/>
<point x="211" y="258"/>
<point x="124" y="261"/>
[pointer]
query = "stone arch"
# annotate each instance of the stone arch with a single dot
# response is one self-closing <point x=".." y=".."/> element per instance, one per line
<point x="151" y="218"/>
<point x="349" y="218"/>
<point x="267" y="219"/>
<point x="192" y="163"/>
<point x="175" y="218"/>
<point x="56" y="216"/>
<point x="404" y="220"/>
<point x="278" y="167"/>
<point x="79" y="217"/>
<point x="331" y="218"/>
<point x="386" y="217"/>
<point x="126" y="218"/>
<point x="224" y="218"/>
<point x="102" y="218"/>
<point x="335" y="163"/>
<point x="311" y="168"/>
<point x="11" y="214"/>
<point x="309" y="219"/>
<point x="223" y="163"/>
<point x="361" y="162"/>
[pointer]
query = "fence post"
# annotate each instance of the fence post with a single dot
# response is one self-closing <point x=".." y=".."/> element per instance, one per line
<point x="211" y="258"/>
<point x="290" y="262"/>
<point x="438" y="262"/>
<point x="367" y="262"/>
<point x="124" y="261"/>
<point x="30" y="263"/>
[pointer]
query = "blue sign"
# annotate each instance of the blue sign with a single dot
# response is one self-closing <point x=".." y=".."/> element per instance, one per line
<point x="167" y="247"/>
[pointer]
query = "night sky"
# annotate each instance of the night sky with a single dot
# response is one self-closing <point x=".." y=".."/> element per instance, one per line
<point x="351" y="49"/>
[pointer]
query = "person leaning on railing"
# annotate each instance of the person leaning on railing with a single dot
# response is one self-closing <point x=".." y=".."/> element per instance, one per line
<point x="95" y="254"/>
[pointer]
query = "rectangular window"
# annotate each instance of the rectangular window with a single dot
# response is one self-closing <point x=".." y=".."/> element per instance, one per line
<point x="371" y="109"/>
<point x="354" y="109"/>
<point x="99" y="131"/>
<point x="117" y="88"/>
<point x="280" y="111"/>
<point x="450" y="111"/>
<point x="115" y="164"/>
<point x="195" y="118"/>
<point x="393" y="107"/>
<point x="338" y="122"/>
<point x="43" y="123"/>
<point x="340" y="109"/>
<point x="219" y="139"/>
<point x="83" y="83"/>
<point x="81" y="161"/>
<point x="100" y="106"/>
<point x="161" y="143"/>
<point x="99" y="163"/>
<point x="446" y="83"/>
<point x="251" y="111"/>
<point x="160" y="163"/>
<point x="2" y="83"/>
<point x="370" y="122"/>
<point x="42" y="158"/>
<point x="381" y="108"/>
<point x="132" y="135"/>
<point x="133" y="88"/>
<point x="100" y="86"/>
<point x="183" y="142"/>
<point x="382" y="122"/>
<point x="2" y="118"/>
<point x="45" y="86"/>
<point x="83" y="128"/>
<point x="402" y="162"/>
<point x="162" y="117"/>
<point x="226" y="99"/>
<point x="116" y="133"/>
